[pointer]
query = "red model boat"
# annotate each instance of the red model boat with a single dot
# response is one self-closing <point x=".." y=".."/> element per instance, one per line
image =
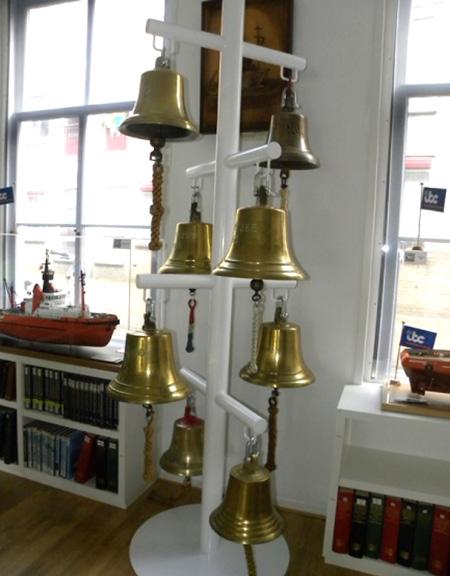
<point x="45" y="317"/>
<point x="427" y="370"/>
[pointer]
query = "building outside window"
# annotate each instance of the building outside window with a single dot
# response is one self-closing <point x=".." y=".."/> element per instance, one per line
<point x="82" y="189"/>
<point x="415" y="283"/>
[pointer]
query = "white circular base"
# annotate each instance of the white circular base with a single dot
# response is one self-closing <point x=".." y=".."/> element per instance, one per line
<point x="168" y="544"/>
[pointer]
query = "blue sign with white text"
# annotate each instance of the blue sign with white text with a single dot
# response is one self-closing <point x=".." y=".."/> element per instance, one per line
<point x="417" y="338"/>
<point x="433" y="199"/>
<point x="6" y="195"/>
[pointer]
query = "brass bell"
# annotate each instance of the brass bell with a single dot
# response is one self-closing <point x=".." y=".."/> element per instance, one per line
<point x="148" y="374"/>
<point x="260" y="248"/>
<point x="289" y="128"/>
<point x="279" y="361"/>
<point x="247" y="514"/>
<point x="160" y="110"/>
<point x="191" y="251"/>
<point x="184" y="457"/>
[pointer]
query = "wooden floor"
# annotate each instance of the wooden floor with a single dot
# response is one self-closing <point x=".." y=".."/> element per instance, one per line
<point x="47" y="532"/>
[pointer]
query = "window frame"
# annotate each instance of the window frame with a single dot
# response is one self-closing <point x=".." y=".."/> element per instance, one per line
<point x="382" y="344"/>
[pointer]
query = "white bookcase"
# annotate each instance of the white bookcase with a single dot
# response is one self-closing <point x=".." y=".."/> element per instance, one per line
<point x="129" y="433"/>
<point x="399" y="455"/>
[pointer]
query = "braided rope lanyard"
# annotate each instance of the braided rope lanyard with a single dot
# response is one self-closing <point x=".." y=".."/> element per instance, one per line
<point x="284" y="190"/>
<point x="156" y="209"/>
<point x="258" y="310"/>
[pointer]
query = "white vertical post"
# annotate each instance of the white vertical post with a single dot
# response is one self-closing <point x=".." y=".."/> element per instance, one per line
<point x="225" y="204"/>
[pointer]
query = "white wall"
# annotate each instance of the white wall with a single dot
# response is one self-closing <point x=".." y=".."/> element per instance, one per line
<point x="341" y="41"/>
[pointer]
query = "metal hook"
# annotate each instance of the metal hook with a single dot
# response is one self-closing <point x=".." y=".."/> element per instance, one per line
<point x="292" y="78"/>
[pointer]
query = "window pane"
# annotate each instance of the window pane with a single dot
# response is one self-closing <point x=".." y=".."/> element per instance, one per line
<point x="112" y="258"/>
<point x="31" y="245"/>
<point x="428" y="42"/>
<point x="118" y="175"/>
<point x="423" y="294"/>
<point x="121" y="49"/>
<point x="55" y="56"/>
<point x="427" y="153"/>
<point x="47" y="172"/>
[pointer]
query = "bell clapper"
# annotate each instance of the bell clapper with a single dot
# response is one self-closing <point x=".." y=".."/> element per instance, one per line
<point x="149" y="473"/>
<point x="284" y="190"/>
<point x="192" y="304"/>
<point x="258" y="310"/>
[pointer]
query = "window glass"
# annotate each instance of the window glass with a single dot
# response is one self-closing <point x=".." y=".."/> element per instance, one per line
<point x="428" y="42"/>
<point x="117" y="176"/>
<point x="121" y="49"/>
<point x="47" y="165"/>
<point x="112" y="257"/>
<point x="55" y="56"/>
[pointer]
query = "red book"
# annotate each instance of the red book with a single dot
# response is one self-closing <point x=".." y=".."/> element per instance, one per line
<point x="391" y="525"/>
<point x="438" y="562"/>
<point x="343" y="520"/>
<point x="85" y="468"/>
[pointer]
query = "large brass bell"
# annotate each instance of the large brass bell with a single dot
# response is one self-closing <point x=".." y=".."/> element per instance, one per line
<point x="247" y="514"/>
<point x="279" y="361"/>
<point x="184" y="457"/>
<point x="289" y="128"/>
<point x="160" y="110"/>
<point x="148" y="374"/>
<point x="260" y="247"/>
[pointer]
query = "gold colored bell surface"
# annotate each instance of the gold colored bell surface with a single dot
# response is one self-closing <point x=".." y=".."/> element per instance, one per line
<point x="148" y="374"/>
<point x="184" y="457"/>
<point x="279" y="360"/>
<point x="191" y="251"/>
<point x="160" y="110"/>
<point x="260" y="248"/>
<point x="247" y="514"/>
<point x="289" y="128"/>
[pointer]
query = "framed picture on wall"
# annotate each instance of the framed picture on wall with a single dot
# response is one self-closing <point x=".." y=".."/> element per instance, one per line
<point x="267" y="23"/>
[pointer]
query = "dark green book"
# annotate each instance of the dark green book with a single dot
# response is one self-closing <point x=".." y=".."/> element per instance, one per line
<point x="359" y="521"/>
<point x="406" y="532"/>
<point x="374" y="526"/>
<point x="422" y="535"/>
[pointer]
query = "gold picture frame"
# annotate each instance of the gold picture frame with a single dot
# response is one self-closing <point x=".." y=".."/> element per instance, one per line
<point x="268" y="23"/>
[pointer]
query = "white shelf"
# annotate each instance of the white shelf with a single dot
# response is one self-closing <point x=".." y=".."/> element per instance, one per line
<point x="11" y="468"/>
<point x="61" y="421"/>
<point x="8" y="403"/>
<point x="394" y="474"/>
<point x="402" y="455"/>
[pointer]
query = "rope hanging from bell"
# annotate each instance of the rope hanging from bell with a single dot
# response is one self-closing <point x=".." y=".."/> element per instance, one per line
<point x="272" y="430"/>
<point x="258" y="309"/>
<point x="192" y="304"/>
<point x="250" y="560"/>
<point x="149" y="473"/>
<point x="157" y="208"/>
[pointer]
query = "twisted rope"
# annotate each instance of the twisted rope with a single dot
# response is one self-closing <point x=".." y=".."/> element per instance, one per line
<point x="149" y="473"/>
<point x="250" y="559"/>
<point x="156" y="209"/>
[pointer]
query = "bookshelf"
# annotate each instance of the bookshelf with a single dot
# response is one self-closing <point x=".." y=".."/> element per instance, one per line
<point x="92" y="364"/>
<point x="395" y="454"/>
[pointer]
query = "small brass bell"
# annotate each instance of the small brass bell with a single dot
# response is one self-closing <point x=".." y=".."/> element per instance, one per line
<point x="279" y="361"/>
<point x="148" y="374"/>
<point x="289" y="128"/>
<point x="160" y="110"/>
<point x="192" y="247"/>
<point x="247" y="514"/>
<point x="260" y="248"/>
<point x="184" y="457"/>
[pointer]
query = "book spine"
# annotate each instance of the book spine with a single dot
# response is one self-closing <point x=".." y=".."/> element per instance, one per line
<point x="406" y="532"/>
<point x="359" y="523"/>
<point x="374" y="526"/>
<point x="343" y="520"/>
<point x="438" y="562"/>
<point x="391" y="524"/>
<point x="422" y="535"/>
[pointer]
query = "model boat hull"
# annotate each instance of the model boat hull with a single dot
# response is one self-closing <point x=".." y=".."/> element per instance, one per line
<point x="427" y="370"/>
<point x="95" y="330"/>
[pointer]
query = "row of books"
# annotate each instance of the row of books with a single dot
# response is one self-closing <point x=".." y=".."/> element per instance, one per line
<point x="7" y="380"/>
<point x="77" y="397"/>
<point x="71" y="454"/>
<point x="396" y="530"/>
<point x="8" y="435"/>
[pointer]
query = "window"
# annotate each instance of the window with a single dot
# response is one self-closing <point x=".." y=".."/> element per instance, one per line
<point x="82" y="189"/>
<point x="415" y="276"/>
